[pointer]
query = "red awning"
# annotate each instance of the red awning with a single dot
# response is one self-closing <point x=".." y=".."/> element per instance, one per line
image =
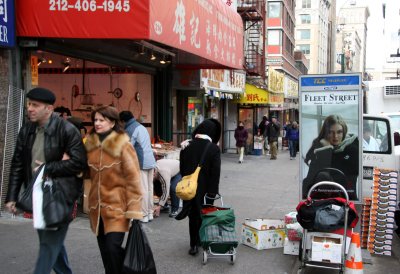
<point x="209" y="29"/>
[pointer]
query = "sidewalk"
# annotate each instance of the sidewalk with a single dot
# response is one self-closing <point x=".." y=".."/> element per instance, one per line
<point x="257" y="188"/>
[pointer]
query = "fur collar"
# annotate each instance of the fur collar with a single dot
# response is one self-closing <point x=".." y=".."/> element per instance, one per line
<point x="112" y="144"/>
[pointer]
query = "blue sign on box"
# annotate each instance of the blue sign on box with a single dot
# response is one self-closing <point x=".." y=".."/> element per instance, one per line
<point x="7" y="23"/>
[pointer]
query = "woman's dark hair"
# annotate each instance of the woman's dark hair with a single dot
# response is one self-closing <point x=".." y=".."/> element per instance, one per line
<point x="328" y="123"/>
<point x="111" y="114"/>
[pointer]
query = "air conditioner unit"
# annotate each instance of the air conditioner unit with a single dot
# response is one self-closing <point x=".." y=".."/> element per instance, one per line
<point x="391" y="92"/>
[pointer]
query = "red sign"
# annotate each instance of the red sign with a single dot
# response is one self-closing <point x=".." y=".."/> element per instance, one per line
<point x="83" y="18"/>
<point x="207" y="28"/>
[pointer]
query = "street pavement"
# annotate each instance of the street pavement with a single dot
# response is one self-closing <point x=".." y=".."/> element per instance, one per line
<point x="257" y="188"/>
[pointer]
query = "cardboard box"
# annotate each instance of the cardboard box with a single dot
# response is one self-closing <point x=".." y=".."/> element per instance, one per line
<point x="86" y="188"/>
<point x="310" y="235"/>
<point x="263" y="233"/>
<point x="291" y="247"/>
<point x="326" y="249"/>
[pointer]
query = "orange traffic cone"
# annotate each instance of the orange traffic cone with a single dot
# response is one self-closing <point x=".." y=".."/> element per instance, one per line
<point x="353" y="262"/>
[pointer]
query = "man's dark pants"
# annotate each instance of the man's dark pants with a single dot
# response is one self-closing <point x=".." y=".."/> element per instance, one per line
<point x="52" y="253"/>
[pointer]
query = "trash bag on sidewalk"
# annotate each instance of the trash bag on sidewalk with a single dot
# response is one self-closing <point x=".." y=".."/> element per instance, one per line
<point x="138" y="254"/>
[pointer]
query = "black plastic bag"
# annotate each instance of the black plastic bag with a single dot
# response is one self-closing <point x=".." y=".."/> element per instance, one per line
<point x="25" y="199"/>
<point x="138" y="254"/>
<point x="325" y="214"/>
<point x="56" y="209"/>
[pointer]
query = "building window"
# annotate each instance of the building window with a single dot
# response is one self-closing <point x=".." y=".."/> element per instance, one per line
<point x="306" y="4"/>
<point x="274" y="9"/>
<point x="274" y="38"/>
<point x="303" y="34"/>
<point x="305" y="18"/>
<point x="304" y="48"/>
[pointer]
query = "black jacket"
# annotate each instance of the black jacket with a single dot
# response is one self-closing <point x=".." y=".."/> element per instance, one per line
<point x="273" y="131"/>
<point x="60" y="137"/>
<point x="344" y="157"/>
<point x="208" y="181"/>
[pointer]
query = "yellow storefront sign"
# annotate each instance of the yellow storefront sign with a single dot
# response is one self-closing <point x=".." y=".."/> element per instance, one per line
<point x="253" y="95"/>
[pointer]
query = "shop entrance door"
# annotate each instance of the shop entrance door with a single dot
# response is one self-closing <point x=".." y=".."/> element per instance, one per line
<point x="246" y="115"/>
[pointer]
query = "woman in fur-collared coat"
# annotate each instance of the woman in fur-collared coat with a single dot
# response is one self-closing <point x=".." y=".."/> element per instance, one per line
<point x="115" y="195"/>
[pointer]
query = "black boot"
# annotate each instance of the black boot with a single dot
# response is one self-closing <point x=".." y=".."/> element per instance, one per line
<point x="193" y="250"/>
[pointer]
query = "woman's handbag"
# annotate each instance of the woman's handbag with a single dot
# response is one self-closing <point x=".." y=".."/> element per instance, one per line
<point x="25" y="199"/>
<point x="56" y="209"/>
<point x="187" y="186"/>
<point x="138" y="254"/>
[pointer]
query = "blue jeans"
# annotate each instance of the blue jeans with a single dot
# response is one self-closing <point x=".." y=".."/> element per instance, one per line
<point x="293" y="148"/>
<point x="172" y="192"/>
<point x="52" y="253"/>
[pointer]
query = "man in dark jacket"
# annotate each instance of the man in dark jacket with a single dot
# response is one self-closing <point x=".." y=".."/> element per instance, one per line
<point x="273" y="132"/>
<point x="51" y="140"/>
<point x="204" y="138"/>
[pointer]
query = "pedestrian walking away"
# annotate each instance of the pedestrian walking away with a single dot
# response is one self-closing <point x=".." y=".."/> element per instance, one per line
<point x="140" y="140"/>
<point x="205" y="135"/>
<point x="263" y="131"/>
<point x="241" y="136"/>
<point x="292" y="134"/>
<point x="48" y="139"/>
<point x="167" y="176"/>
<point x="273" y="132"/>
<point x="115" y="195"/>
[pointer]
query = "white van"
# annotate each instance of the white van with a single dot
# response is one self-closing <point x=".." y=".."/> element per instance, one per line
<point x="386" y="155"/>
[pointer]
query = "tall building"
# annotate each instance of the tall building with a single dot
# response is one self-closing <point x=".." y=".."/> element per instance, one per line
<point x="282" y="71"/>
<point x="383" y="41"/>
<point x="315" y="26"/>
<point x="351" y="38"/>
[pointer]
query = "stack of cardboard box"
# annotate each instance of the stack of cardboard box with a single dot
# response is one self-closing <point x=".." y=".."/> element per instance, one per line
<point x="383" y="206"/>
<point x="365" y="218"/>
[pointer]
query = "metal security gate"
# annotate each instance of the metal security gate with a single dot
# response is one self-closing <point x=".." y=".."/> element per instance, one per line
<point x="15" y="111"/>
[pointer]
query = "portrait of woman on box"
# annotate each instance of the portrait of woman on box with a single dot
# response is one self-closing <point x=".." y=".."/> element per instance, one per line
<point x="333" y="148"/>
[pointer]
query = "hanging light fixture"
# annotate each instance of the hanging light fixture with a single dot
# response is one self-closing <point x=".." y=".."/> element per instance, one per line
<point x="142" y="50"/>
<point x="41" y="60"/>
<point x="152" y="56"/>
<point x="66" y="64"/>
<point x="163" y="60"/>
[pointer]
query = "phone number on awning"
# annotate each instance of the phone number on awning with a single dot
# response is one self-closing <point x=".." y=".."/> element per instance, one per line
<point x="90" y="5"/>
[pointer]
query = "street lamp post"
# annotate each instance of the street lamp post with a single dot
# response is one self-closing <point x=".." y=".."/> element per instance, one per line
<point x="340" y="29"/>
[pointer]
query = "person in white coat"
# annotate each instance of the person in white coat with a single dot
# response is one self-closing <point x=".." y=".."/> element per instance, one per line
<point x="369" y="142"/>
<point x="167" y="175"/>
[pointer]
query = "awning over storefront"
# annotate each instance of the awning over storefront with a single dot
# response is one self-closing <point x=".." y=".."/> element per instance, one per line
<point x="253" y="95"/>
<point x="206" y="29"/>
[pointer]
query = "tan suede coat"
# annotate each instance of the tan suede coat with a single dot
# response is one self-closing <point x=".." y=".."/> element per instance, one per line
<point x="116" y="193"/>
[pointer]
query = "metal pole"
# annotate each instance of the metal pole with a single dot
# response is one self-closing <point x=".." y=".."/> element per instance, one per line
<point x="342" y="56"/>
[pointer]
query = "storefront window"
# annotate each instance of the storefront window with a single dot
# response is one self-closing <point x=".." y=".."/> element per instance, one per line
<point x="195" y="113"/>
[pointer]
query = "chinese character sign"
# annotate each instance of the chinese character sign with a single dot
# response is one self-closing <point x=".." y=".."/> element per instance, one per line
<point x="210" y="29"/>
<point x="330" y="130"/>
<point x="275" y="81"/>
<point x="7" y="23"/>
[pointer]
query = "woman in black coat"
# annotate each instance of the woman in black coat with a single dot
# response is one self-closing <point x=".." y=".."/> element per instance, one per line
<point x="333" y="148"/>
<point x="205" y="136"/>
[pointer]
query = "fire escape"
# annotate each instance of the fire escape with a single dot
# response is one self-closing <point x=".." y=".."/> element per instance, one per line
<point x="253" y="13"/>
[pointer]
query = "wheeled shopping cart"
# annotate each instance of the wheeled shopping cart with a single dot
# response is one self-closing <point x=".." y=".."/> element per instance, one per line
<point x="310" y="206"/>
<point x="217" y="231"/>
